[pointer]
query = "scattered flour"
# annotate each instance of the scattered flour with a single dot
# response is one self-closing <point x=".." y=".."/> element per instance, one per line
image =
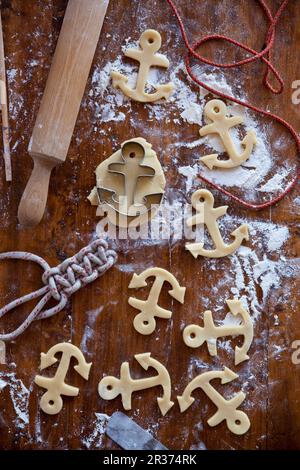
<point x="3" y="384"/>
<point x="187" y="105"/>
<point x="277" y="237"/>
<point x="89" y="329"/>
<point x="19" y="395"/>
<point x="95" y="438"/>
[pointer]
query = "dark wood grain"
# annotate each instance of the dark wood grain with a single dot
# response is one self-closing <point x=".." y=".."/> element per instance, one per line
<point x="31" y="29"/>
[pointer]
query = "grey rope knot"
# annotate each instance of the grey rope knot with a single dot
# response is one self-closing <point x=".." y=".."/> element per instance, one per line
<point x="61" y="281"/>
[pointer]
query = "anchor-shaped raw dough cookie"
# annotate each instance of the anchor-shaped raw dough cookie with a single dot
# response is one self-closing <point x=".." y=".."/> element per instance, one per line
<point x="217" y="111"/>
<point x="144" y="186"/>
<point x="237" y="421"/>
<point x="150" y="42"/>
<point x="194" y="336"/>
<point x="131" y="168"/>
<point x="110" y="387"/>
<point x="145" y="322"/>
<point x="51" y="402"/>
<point x="203" y="202"/>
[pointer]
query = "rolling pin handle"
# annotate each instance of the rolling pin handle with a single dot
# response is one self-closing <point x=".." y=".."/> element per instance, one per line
<point x="34" y="199"/>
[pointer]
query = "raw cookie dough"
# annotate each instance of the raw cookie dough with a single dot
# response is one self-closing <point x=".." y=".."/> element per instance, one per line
<point x="203" y="203"/>
<point x="237" y="421"/>
<point x="110" y="387"/>
<point x="128" y="198"/>
<point x="217" y="111"/>
<point x="145" y="322"/>
<point x="194" y="336"/>
<point x="150" y="42"/>
<point x="51" y="402"/>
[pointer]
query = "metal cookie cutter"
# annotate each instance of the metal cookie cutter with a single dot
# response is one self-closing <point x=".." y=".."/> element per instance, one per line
<point x="132" y="168"/>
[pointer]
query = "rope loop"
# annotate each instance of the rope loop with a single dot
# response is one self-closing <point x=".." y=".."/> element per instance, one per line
<point x="61" y="281"/>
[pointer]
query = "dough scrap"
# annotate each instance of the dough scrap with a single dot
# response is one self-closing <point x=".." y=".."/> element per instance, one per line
<point x="237" y="421"/>
<point x="194" y="336"/>
<point x="51" y="402"/>
<point x="111" y="182"/>
<point x="203" y="203"/>
<point x="217" y="112"/>
<point x="150" y="42"/>
<point x="110" y="387"/>
<point x="145" y="322"/>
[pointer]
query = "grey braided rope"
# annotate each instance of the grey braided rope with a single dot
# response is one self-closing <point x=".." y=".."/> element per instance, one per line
<point x="60" y="282"/>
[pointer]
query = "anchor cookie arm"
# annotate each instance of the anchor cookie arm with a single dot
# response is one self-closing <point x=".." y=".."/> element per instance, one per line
<point x="208" y="129"/>
<point x="134" y="54"/>
<point x="106" y="196"/>
<point x="160" y="60"/>
<point x="117" y="168"/>
<point x="144" y="308"/>
<point x="219" y="211"/>
<point x="241" y="233"/>
<point x="234" y="121"/>
<point x="139" y="280"/>
<point x="147" y="170"/>
<point x="236" y="308"/>
<point x="195" y="220"/>
<point x="82" y="368"/>
<point x="146" y="361"/>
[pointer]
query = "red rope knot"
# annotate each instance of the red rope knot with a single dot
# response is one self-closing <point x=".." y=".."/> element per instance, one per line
<point x="266" y="56"/>
<point x="61" y="281"/>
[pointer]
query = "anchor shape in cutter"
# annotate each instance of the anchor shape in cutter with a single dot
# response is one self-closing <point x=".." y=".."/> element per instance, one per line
<point x="203" y="203"/>
<point x="194" y="336"/>
<point x="110" y="387"/>
<point x="150" y="42"/>
<point x="145" y="322"/>
<point x="131" y="168"/>
<point x="237" y="421"/>
<point x="51" y="402"/>
<point x="217" y="111"/>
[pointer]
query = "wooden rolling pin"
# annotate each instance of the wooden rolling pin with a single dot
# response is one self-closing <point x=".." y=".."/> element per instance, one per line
<point x="60" y="104"/>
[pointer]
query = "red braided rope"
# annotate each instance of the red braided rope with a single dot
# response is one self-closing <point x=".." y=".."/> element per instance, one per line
<point x="270" y="38"/>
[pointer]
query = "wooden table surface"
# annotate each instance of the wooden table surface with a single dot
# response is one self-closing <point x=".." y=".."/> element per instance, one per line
<point x="98" y="318"/>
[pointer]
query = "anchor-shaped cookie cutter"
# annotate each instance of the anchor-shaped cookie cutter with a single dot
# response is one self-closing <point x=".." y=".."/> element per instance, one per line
<point x="131" y="167"/>
<point x="145" y="322"/>
<point x="51" y="402"/>
<point x="194" y="336"/>
<point x="203" y="203"/>
<point x="150" y="42"/>
<point x="237" y="421"/>
<point x="217" y="111"/>
<point x="110" y="387"/>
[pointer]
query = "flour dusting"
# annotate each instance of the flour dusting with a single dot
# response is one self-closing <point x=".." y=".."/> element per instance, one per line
<point x="19" y="395"/>
<point x="95" y="438"/>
